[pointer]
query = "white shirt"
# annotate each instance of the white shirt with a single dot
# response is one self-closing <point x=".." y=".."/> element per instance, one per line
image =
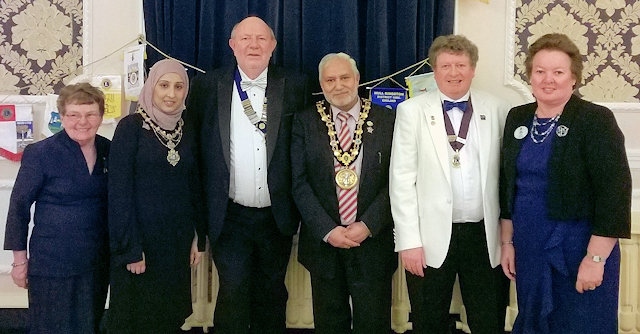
<point x="466" y="179"/>
<point x="248" y="179"/>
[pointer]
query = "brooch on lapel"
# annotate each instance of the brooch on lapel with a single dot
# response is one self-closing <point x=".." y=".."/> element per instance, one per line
<point x="370" y="126"/>
<point x="562" y="131"/>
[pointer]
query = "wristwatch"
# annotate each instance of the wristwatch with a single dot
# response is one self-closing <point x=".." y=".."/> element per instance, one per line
<point x="596" y="258"/>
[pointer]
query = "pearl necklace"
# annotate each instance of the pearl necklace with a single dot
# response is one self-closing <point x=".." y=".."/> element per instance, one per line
<point x="537" y="134"/>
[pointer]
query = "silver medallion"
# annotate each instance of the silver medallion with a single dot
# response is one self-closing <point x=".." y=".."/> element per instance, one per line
<point x="455" y="162"/>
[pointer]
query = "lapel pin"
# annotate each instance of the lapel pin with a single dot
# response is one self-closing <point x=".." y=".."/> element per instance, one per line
<point x="370" y="126"/>
<point x="483" y="117"/>
<point x="520" y="132"/>
<point x="562" y="131"/>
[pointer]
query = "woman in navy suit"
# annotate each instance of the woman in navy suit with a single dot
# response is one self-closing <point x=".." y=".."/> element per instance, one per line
<point x="65" y="175"/>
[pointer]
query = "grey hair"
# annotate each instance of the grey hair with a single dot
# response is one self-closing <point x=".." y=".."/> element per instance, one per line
<point x="331" y="56"/>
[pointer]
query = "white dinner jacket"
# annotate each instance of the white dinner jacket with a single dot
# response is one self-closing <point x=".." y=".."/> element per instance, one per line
<point x="420" y="175"/>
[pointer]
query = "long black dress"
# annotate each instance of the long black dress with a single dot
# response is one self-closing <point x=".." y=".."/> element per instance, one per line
<point x="153" y="208"/>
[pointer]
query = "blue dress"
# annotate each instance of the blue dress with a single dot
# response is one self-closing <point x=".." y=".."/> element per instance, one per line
<point x="68" y="246"/>
<point x="548" y="254"/>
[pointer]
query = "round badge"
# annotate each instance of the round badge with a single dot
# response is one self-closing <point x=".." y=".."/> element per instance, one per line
<point x="520" y="132"/>
<point x="562" y="131"/>
<point x="7" y="114"/>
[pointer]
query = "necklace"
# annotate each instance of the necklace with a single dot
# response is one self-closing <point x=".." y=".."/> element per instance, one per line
<point x="169" y="139"/>
<point x="345" y="158"/>
<point x="346" y="178"/>
<point x="538" y="134"/>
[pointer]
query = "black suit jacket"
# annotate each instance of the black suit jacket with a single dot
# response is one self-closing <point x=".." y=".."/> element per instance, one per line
<point x="589" y="175"/>
<point x="209" y="110"/>
<point x="314" y="191"/>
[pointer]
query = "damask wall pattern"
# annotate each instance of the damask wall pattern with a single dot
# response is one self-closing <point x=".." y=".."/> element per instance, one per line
<point x="607" y="32"/>
<point x="40" y="45"/>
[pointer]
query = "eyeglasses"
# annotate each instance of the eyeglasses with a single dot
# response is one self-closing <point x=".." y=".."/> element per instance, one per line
<point x="76" y="117"/>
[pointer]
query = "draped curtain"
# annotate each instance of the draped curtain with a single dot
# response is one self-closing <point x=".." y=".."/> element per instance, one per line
<point x="383" y="36"/>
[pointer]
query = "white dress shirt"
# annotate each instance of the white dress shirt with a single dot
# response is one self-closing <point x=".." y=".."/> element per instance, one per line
<point x="248" y="179"/>
<point x="466" y="179"/>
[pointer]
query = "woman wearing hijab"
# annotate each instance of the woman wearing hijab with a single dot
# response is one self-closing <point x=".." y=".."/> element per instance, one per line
<point x="153" y="209"/>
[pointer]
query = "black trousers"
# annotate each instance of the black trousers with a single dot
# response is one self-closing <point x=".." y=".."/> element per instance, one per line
<point x="370" y="297"/>
<point x="251" y="256"/>
<point x="485" y="290"/>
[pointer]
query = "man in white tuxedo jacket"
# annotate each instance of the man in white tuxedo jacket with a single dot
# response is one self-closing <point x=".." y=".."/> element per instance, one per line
<point x="444" y="194"/>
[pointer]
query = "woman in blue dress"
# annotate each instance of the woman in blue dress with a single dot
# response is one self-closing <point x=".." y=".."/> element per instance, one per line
<point x="565" y="200"/>
<point x="66" y="267"/>
<point x="154" y="209"/>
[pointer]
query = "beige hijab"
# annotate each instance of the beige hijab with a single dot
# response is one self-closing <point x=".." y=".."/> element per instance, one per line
<point x="167" y="122"/>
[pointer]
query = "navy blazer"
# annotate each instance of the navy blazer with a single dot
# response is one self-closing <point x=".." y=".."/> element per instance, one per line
<point x="314" y="190"/>
<point x="589" y="176"/>
<point x="69" y="233"/>
<point x="209" y="110"/>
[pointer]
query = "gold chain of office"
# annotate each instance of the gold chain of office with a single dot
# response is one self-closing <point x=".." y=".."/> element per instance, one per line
<point x="344" y="157"/>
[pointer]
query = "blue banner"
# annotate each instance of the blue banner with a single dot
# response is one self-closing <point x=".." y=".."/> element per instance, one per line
<point x="388" y="97"/>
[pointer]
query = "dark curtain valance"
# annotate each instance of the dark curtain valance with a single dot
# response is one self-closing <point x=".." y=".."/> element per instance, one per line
<point x="383" y="36"/>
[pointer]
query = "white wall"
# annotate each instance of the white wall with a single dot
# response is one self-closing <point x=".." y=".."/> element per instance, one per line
<point x="112" y="25"/>
<point x="485" y="25"/>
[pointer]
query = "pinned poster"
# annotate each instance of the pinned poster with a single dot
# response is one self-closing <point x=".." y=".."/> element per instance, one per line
<point x="420" y="83"/>
<point x="387" y="97"/>
<point x="134" y="72"/>
<point x="111" y="86"/>
<point x="16" y="130"/>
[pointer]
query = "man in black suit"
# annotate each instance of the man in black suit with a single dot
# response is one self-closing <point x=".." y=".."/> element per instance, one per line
<point x="340" y="153"/>
<point x="243" y="116"/>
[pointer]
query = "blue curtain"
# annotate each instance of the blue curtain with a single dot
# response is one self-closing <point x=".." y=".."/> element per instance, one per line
<point x="383" y="36"/>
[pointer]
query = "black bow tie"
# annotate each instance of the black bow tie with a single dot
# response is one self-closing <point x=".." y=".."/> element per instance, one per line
<point x="448" y="105"/>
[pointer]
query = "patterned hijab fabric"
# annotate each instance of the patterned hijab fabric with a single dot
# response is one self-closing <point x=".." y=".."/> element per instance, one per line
<point x="165" y="121"/>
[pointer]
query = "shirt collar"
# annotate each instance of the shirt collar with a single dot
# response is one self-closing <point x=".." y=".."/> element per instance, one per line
<point x="244" y="76"/>
<point x="463" y="98"/>
<point x="354" y="111"/>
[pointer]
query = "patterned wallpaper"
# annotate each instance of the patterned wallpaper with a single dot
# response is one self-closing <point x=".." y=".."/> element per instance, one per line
<point x="607" y="32"/>
<point x="40" y="44"/>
